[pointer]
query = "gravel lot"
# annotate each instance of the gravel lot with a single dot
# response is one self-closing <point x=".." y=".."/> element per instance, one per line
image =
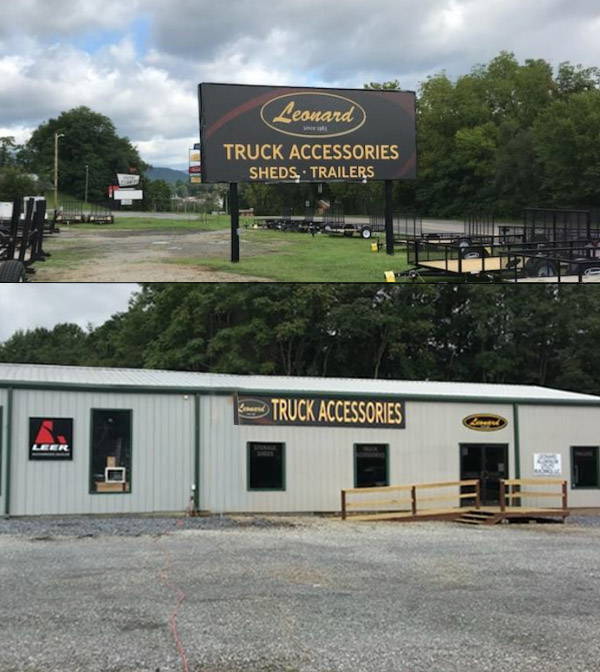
<point x="297" y="594"/>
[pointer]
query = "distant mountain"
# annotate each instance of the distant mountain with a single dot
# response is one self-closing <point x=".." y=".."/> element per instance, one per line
<point x="167" y="174"/>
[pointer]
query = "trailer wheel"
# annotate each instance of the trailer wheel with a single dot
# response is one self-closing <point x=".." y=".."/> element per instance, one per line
<point x="12" y="271"/>
<point x="541" y="268"/>
<point x="366" y="233"/>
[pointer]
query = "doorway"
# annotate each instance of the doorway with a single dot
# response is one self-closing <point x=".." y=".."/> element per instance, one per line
<point x="489" y="463"/>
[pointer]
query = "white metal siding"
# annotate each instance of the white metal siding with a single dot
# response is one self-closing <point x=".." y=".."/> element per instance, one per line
<point x="554" y="429"/>
<point x="162" y="454"/>
<point x="320" y="461"/>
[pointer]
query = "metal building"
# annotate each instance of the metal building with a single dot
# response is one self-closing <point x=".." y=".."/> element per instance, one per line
<point x="90" y="440"/>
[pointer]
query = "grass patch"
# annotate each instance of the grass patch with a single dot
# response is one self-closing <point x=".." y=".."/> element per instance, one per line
<point x="67" y="258"/>
<point x="302" y="258"/>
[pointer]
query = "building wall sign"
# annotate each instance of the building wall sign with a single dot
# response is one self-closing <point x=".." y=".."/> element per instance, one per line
<point x="50" y="439"/>
<point x="547" y="464"/>
<point x="319" y="411"/>
<point x="485" y="422"/>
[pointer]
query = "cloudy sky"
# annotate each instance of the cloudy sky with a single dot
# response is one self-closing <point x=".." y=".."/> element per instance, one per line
<point x="31" y="305"/>
<point x="140" y="61"/>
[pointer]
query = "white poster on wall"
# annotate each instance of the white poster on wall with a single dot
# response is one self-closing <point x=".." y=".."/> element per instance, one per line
<point x="547" y="464"/>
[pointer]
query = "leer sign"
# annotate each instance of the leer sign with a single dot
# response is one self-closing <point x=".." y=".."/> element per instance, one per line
<point x="319" y="411"/>
<point x="263" y="134"/>
<point x="50" y="439"/>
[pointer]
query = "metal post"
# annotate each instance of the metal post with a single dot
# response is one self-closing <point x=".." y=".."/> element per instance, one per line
<point x="478" y="494"/>
<point x="234" y="211"/>
<point x="87" y="182"/>
<point x="343" y="505"/>
<point x="389" y="218"/>
<point x="56" y="137"/>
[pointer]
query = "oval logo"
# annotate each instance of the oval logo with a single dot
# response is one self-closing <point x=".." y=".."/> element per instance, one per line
<point x="485" y="422"/>
<point x="253" y="408"/>
<point x="313" y="115"/>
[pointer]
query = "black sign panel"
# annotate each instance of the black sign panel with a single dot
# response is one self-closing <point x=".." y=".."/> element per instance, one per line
<point x="319" y="411"/>
<point x="283" y="134"/>
<point x="50" y="439"/>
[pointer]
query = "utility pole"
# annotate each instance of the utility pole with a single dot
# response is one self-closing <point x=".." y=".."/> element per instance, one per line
<point x="56" y="137"/>
<point x="87" y="181"/>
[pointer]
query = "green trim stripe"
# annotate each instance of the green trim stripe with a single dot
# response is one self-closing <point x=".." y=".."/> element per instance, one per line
<point x="517" y="440"/>
<point x="9" y="419"/>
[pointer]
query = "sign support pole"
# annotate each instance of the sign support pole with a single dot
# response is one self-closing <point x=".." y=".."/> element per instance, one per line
<point x="234" y="211"/>
<point x="389" y="218"/>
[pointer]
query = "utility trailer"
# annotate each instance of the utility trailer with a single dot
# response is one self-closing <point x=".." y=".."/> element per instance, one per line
<point x="21" y="240"/>
<point x="100" y="214"/>
<point x="335" y="224"/>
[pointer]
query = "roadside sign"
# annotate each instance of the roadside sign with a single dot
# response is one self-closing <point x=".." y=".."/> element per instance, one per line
<point x="128" y="180"/>
<point x="196" y="179"/>
<point x="291" y="134"/>
<point x="126" y="202"/>
<point x="128" y="194"/>
<point x="195" y="170"/>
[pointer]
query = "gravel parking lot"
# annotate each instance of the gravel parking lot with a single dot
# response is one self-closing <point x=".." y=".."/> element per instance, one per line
<point x="297" y="594"/>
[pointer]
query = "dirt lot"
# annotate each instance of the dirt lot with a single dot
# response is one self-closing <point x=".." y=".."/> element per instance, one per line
<point x="134" y="256"/>
<point x="297" y="595"/>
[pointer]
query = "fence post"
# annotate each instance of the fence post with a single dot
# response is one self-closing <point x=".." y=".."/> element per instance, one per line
<point x="478" y="494"/>
<point x="413" y="500"/>
<point x="343" y="505"/>
<point x="502" y="497"/>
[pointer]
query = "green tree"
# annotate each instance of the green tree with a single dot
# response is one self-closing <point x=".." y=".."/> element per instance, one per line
<point x="89" y="139"/>
<point x="16" y="184"/>
<point x="566" y="142"/>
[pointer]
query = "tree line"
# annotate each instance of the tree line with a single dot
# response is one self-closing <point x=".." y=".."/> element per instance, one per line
<point x="504" y="136"/>
<point x="542" y="335"/>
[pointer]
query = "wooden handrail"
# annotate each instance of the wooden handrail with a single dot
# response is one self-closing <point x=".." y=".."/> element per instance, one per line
<point x="515" y="483"/>
<point x="413" y="500"/>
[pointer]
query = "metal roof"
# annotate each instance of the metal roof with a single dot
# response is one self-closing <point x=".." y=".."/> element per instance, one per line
<point x="43" y="375"/>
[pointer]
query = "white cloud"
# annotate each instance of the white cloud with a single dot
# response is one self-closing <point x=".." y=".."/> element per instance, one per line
<point x="148" y="86"/>
<point x="30" y="305"/>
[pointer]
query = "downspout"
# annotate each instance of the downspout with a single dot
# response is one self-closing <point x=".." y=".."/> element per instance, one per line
<point x="196" y="453"/>
<point x="9" y="414"/>
<point x="517" y="440"/>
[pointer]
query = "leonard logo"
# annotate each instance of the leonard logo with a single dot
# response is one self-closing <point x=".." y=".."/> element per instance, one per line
<point x="313" y="115"/>
<point x="50" y="439"/>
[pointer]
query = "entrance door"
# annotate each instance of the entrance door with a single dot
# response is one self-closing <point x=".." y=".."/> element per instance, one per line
<point x="489" y="463"/>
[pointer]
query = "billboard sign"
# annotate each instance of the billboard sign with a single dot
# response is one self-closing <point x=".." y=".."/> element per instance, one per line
<point x="50" y="439"/>
<point x="279" y="134"/>
<point x="319" y="411"/>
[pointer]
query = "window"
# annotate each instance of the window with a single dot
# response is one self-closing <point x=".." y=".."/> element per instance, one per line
<point x="266" y="466"/>
<point x="585" y="467"/>
<point x="111" y="451"/>
<point x="370" y="465"/>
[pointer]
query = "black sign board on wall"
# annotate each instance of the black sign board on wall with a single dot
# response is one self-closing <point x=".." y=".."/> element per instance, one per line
<point x="50" y="439"/>
<point x="319" y="411"/>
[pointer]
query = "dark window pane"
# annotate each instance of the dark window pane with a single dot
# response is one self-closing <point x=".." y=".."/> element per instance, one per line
<point x="585" y="467"/>
<point x="265" y="466"/>
<point x="111" y="451"/>
<point x="371" y="465"/>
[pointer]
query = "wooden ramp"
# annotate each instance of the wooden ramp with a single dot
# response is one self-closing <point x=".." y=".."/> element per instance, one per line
<point x="510" y="490"/>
